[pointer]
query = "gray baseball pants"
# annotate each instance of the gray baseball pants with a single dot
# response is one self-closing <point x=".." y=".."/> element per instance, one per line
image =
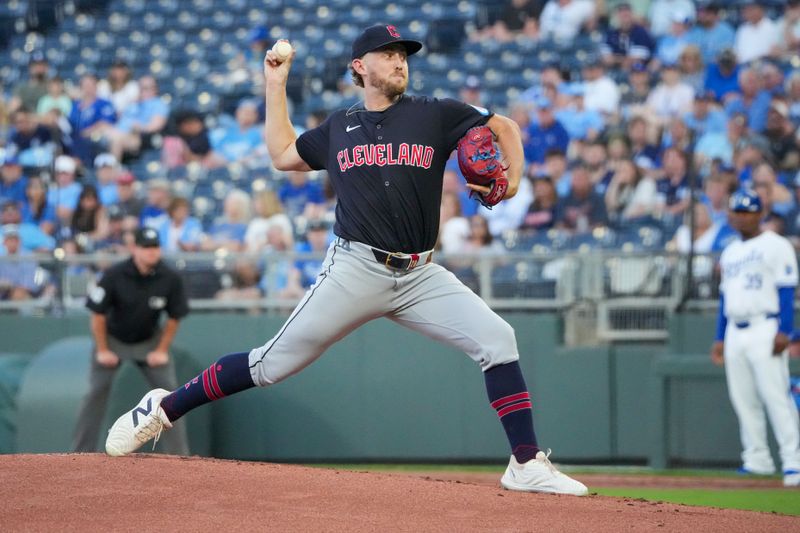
<point x="354" y="288"/>
<point x="93" y="407"/>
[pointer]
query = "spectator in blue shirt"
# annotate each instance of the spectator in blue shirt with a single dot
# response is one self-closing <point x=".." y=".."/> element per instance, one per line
<point x="91" y="117"/>
<point x="722" y="77"/>
<point x="672" y="189"/>
<point x="628" y="42"/>
<point x="772" y="79"/>
<point x="106" y="168"/>
<point x="228" y="231"/>
<point x="643" y="152"/>
<point x="180" y="232"/>
<point x="545" y="134"/>
<point x="671" y="45"/>
<point x="301" y="197"/>
<point x="32" y="143"/>
<point x="705" y="117"/>
<point x="31" y="237"/>
<point x="241" y="140"/>
<point x="12" y="180"/>
<point x="141" y="120"/>
<point x="19" y="280"/>
<point x="583" y="209"/>
<point x="35" y="209"/>
<point x="63" y="196"/>
<point x="711" y="35"/>
<point x="717" y="190"/>
<point x="153" y="213"/>
<point x="306" y="270"/>
<point x="580" y="123"/>
<point x="752" y="100"/>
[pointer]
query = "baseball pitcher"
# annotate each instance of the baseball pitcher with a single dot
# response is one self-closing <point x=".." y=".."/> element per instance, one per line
<point x="385" y="158"/>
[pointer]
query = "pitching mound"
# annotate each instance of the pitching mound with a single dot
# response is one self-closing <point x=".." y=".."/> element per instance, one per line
<point x="92" y="492"/>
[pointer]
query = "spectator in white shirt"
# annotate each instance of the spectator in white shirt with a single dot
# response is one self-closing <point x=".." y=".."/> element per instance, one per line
<point x="119" y="87"/>
<point x="561" y="20"/>
<point x="757" y="36"/>
<point x="661" y="14"/>
<point x="509" y="214"/>
<point x="672" y="97"/>
<point x="600" y="92"/>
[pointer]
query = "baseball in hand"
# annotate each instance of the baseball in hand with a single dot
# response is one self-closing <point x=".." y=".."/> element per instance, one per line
<point x="282" y="50"/>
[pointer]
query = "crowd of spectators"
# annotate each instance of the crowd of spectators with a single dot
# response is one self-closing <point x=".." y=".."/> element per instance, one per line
<point x="679" y="104"/>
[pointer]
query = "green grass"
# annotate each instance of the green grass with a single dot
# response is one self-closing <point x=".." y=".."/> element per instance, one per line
<point x="783" y="501"/>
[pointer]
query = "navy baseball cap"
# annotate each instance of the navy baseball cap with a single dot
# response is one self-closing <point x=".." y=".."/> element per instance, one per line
<point x="9" y="158"/>
<point x="379" y="36"/>
<point x="37" y="56"/>
<point x="147" y="238"/>
<point x="745" y="201"/>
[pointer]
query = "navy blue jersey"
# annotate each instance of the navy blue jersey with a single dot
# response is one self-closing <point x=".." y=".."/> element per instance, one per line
<point x="386" y="167"/>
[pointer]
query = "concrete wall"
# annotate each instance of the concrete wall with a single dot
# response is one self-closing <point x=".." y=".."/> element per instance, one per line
<point x="384" y="393"/>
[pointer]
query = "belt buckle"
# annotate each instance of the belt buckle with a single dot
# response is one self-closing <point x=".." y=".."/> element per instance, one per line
<point x="389" y="256"/>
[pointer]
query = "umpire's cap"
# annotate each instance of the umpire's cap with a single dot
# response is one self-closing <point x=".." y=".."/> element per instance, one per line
<point x="379" y="36"/>
<point x="147" y="238"/>
<point x="745" y="201"/>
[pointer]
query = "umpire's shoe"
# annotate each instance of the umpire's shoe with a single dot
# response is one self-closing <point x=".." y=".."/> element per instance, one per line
<point x="133" y="429"/>
<point x="539" y="475"/>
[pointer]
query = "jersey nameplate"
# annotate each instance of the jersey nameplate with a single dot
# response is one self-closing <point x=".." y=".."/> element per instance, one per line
<point x="381" y="155"/>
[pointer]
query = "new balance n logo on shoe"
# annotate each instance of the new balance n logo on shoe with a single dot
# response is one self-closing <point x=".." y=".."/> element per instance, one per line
<point x="143" y="411"/>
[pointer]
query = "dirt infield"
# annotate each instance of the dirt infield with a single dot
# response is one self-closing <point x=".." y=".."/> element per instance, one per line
<point x="633" y="480"/>
<point x="81" y="492"/>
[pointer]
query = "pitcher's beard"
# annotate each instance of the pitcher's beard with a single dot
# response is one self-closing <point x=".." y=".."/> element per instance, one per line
<point x="391" y="88"/>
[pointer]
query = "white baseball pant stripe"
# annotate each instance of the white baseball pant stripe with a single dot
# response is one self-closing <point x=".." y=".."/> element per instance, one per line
<point x="759" y="380"/>
<point x="353" y="288"/>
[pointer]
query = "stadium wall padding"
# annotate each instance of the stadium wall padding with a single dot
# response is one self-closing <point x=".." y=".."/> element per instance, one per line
<point x="386" y="394"/>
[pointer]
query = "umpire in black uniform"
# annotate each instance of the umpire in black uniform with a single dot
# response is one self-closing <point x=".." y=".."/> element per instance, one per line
<point x="126" y="308"/>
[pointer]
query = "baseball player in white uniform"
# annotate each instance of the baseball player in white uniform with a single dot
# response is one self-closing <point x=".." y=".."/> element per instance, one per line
<point x="759" y="276"/>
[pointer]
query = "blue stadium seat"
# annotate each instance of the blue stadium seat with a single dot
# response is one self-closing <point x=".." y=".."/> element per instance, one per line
<point x="521" y="279"/>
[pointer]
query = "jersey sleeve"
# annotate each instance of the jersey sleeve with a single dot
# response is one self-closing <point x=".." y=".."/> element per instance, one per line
<point x="101" y="296"/>
<point x="177" y="303"/>
<point x="312" y="145"/>
<point x="785" y="261"/>
<point x="458" y="117"/>
<point x="722" y="274"/>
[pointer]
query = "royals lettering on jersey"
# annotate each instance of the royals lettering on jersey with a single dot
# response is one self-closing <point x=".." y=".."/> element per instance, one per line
<point x="414" y="155"/>
<point x="753" y="271"/>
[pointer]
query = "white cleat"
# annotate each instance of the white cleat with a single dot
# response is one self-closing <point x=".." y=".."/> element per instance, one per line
<point x="136" y="427"/>
<point x="539" y="475"/>
<point x="791" y="478"/>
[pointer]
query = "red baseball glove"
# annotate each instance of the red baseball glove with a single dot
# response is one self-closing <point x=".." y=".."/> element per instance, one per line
<point x="480" y="164"/>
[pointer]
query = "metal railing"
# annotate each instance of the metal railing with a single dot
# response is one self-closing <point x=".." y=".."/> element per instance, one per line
<point x="614" y="294"/>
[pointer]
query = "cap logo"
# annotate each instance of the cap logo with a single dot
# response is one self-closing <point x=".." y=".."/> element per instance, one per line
<point x="393" y="31"/>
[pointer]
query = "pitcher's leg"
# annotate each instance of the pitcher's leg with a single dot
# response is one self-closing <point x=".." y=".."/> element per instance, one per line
<point x="329" y="311"/>
<point x="446" y="310"/>
<point x="344" y="297"/>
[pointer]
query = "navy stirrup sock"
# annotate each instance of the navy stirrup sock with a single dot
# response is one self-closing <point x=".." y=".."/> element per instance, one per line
<point x="509" y="396"/>
<point x="228" y="375"/>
